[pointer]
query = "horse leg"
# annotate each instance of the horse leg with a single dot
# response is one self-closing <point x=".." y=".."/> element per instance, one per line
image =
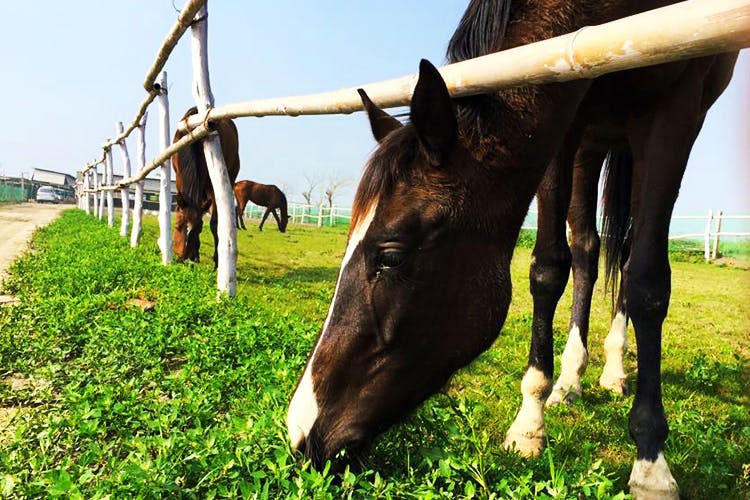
<point x="278" y="221"/>
<point x="613" y="375"/>
<point x="263" y="220"/>
<point x="215" y="233"/>
<point x="661" y="142"/>
<point x="550" y="267"/>
<point x="584" y="248"/>
<point x="240" y="210"/>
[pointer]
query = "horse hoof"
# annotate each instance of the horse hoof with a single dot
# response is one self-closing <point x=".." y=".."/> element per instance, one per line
<point x="652" y="480"/>
<point x="617" y="385"/>
<point x="565" y="395"/>
<point x="527" y="445"/>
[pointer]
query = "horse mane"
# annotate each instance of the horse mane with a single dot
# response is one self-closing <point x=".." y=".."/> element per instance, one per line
<point x="193" y="169"/>
<point x="384" y="169"/>
<point x="481" y="30"/>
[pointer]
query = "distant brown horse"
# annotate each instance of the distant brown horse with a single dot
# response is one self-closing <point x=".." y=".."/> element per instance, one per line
<point x="264" y="195"/>
<point x="195" y="194"/>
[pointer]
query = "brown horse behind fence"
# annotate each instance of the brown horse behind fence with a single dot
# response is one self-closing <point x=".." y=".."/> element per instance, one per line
<point x="195" y="193"/>
<point x="264" y="195"/>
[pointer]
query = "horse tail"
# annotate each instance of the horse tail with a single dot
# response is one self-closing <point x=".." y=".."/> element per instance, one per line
<point x="616" y="195"/>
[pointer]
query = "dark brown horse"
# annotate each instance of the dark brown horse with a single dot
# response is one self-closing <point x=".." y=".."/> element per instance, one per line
<point x="264" y="195"/>
<point x="195" y="193"/>
<point x="424" y="286"/>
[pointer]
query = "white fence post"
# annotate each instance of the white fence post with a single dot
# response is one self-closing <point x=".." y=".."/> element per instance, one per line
<point x="331" y="215"/>
<point x="165" y="182"/>
<point x="320" y="215"/>
<point x="86" y="196"/>
<point x="715" y="250"/>
<point x="135" y="234"/>
<point x="707" y="238"/>
<point x="124" y="191"/>
<point x="100" y="181"/>
<point x="110" y="178"/>
<point x="226" y="271"/>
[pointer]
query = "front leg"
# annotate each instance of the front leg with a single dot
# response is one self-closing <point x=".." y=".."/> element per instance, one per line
<point x="548" y="276"/>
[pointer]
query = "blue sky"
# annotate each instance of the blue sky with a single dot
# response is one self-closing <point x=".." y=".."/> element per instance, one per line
<point x="72" y="69"/>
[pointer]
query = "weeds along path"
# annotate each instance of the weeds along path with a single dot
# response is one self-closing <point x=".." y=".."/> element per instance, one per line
<point x="17" y="224"/>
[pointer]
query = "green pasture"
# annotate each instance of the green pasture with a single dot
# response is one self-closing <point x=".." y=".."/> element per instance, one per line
<point x="100" y="398"/>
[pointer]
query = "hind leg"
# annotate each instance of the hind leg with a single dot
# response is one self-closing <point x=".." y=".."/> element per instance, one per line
<point x="584" y="248"/>
<point x="240" y="209"/>
<point x="613" y="375"/>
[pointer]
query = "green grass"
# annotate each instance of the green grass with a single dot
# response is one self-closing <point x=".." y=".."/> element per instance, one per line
<point x="99" y="399"/>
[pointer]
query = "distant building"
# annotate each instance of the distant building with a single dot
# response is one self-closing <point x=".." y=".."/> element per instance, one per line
<point x="53" y="178"/>
<point x="151" y="188"/>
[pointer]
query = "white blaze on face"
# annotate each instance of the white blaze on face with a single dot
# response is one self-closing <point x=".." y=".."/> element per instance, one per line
<point x="303" y="409"/>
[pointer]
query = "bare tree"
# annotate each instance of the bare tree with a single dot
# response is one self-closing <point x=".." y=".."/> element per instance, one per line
<point x="334" y="185"/>
<point x="311" y="182"/>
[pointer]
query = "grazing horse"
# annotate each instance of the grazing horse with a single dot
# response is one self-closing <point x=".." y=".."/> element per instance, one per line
<point x="425" y="286"/>
<point x="264" y="195"/>
<point x="195" y="193"/>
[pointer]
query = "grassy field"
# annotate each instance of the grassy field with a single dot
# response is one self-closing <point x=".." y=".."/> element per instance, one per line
<point x="99" y="398"/>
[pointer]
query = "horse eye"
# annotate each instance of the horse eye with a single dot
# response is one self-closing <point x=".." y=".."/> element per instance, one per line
<point x="389" y="258"/>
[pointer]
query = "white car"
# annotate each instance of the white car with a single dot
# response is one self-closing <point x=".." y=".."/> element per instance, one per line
<point x="49" y="194"/>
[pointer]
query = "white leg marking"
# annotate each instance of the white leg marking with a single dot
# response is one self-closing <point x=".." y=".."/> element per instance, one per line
<point x="527" y="433"/>
<point x="574" y="359"/>
<point x="615" y="346"/>
<point x="303" y="409"/>
<point x="652" y="480"/>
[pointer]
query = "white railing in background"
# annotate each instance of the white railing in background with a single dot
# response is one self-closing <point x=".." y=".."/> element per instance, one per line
<point x="694" y="29"/>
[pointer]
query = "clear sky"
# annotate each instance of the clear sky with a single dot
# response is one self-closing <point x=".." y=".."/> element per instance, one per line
<point x="70" y="70"/>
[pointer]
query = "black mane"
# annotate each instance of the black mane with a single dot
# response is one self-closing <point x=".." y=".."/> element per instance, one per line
<point x="481" y="30"/>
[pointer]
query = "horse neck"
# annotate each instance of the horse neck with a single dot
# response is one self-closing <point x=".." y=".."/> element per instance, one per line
<point x="515" y="133"/>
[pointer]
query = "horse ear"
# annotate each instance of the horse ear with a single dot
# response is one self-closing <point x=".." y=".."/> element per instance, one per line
<point x="433" y="115"/>
<point x="381" y="122"/>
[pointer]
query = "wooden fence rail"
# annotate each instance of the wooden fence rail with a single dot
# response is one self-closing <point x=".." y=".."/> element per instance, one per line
<point x="694" y="28"/>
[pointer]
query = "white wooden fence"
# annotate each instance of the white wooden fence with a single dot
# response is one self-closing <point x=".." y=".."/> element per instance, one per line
<point x="693" y="29"/>
<point x="707" y="234"/>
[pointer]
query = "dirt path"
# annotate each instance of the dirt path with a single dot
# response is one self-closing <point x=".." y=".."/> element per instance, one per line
<point x="17" y="223"/>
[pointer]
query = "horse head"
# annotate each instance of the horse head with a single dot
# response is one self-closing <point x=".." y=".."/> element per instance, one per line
<point x="284" y="221"/>
<point x="423" y="287"/>
<point x="187" y="229"/>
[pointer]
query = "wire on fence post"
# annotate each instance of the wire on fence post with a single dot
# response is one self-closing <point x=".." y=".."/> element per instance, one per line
<point x="226" y="249"/>
<point x="135" y="234"/>
<point x="165" y="175"/>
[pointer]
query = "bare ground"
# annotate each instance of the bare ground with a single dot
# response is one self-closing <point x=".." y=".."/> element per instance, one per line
<point x="17" y="224"/>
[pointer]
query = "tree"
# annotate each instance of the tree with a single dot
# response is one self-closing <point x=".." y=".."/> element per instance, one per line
<point x="312" y="182"/>
<point x="334" y="185"/>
